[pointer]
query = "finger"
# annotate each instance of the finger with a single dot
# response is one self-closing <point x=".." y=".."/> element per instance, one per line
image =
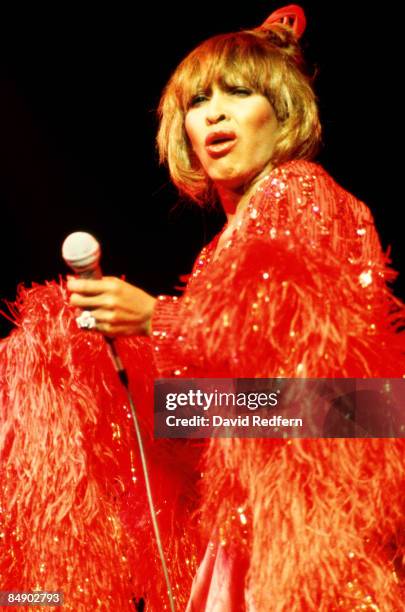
<point x="109" y="329"/>
<point x="111" y="313"/>
<point x="112" y="317"/>
<point x="90" y="286"/>
<point x="91" y="301"/>
<point x="106" y="316"/>
<point x="117" y="318"/>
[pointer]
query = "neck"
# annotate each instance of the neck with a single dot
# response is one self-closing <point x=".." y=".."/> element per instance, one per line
<point x="235" y="200"/>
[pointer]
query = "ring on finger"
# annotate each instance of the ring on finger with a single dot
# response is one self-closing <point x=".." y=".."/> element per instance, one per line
<point x="86" y="320"/>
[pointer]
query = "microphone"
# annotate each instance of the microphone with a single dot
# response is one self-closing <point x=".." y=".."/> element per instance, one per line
<point x="82" y="253"/>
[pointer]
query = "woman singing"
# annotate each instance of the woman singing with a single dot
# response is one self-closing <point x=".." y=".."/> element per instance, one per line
<point x="293" y="286"/>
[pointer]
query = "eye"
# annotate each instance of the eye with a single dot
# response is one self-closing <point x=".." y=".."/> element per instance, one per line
<point x="197" y="99"/>
<point x="241" y="91"/>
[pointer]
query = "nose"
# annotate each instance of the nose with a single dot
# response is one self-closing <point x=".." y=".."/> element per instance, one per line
<point x="213" y="118"/>
<point x="216" y="111"/>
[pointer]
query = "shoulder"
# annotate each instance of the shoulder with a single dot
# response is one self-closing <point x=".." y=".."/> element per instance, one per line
<point x="296" y="184"/>
<point x="308" y="173"/>
<point x="295" y="180"/>
<point x="309" y="181"/>
<point x="300" y="167"/>
<point x="301" y="198"/>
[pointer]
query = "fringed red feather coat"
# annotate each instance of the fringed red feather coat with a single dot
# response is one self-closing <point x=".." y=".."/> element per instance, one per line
<point x="298" y="289"/>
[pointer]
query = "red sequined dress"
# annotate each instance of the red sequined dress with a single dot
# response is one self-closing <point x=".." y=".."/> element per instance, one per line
<point x="298" y="290"/>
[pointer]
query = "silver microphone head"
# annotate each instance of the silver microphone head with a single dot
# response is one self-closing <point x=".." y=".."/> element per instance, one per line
<point x="82" y="252"/>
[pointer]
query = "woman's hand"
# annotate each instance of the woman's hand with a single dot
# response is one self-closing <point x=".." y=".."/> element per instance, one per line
<point x="120" y="309"/>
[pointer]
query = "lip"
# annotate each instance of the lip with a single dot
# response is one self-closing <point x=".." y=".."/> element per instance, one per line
<point x="213" y="136"/>
<point x="218" y="149"/>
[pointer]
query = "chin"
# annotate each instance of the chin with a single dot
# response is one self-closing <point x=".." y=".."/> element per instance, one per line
<point x="235" y="183"/>
<point x="228" y="179"/>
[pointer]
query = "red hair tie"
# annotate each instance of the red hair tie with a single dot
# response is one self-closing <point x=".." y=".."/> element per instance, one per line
<point x="292" y="15"/>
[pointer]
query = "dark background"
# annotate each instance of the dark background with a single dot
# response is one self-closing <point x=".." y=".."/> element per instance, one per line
<point x="78" y="91"/>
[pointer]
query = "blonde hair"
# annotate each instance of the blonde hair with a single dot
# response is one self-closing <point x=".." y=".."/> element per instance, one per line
<point x="270" y="62"/>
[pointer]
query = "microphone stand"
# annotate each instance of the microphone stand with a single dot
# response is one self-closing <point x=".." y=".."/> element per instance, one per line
<point x="81" y="252"/>
<point x="123" y="376"/>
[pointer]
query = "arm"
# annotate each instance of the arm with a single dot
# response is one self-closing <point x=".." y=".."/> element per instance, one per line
<point x="323" y="309"/>
<point x="300" y="293"/>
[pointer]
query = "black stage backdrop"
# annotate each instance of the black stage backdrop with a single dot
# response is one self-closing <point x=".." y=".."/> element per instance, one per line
<point x="79" y="86"/>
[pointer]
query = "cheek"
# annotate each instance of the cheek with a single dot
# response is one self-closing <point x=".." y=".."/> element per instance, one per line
<point x="266" y="131"/>
<point x="264" y="118"/>
<point x="266" y="122"/>
<point x="194" y="150"/>
<point x="191" y="127"/>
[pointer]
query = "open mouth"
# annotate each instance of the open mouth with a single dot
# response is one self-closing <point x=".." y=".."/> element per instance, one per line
<point x="219" y="137"/>
<point x="220" y="142"/>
